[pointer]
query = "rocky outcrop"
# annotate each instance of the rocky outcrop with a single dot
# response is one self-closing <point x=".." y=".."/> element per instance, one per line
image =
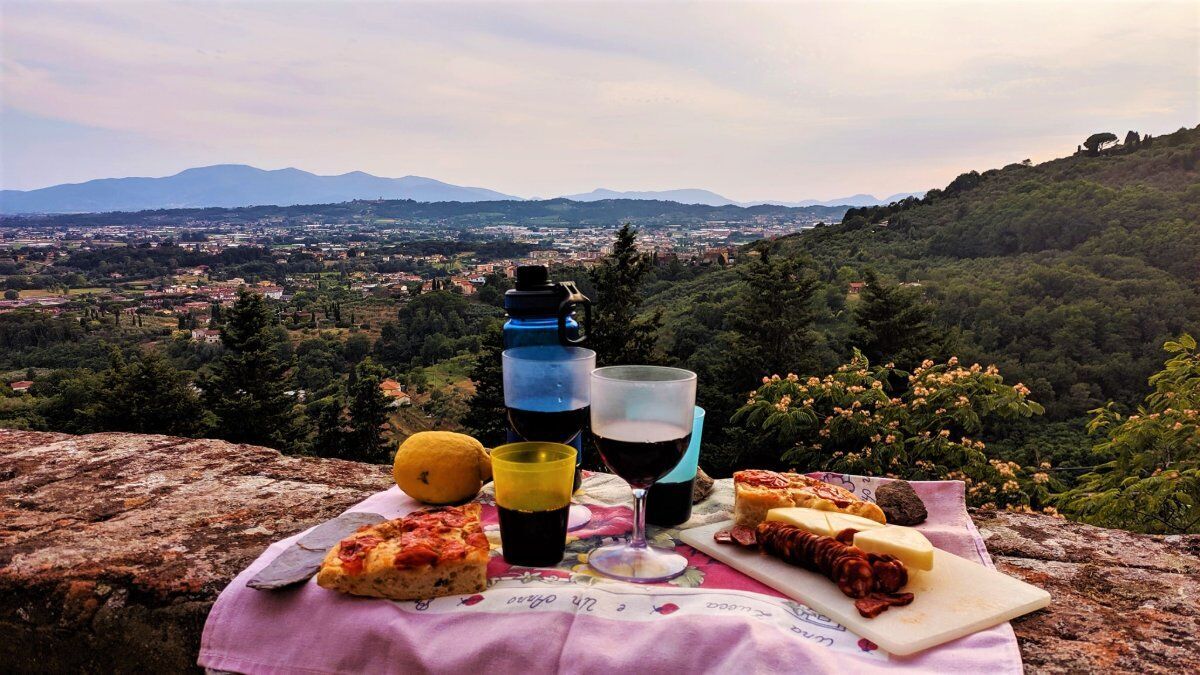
<point x="1121" y="602"/>
<point x="113" y="548"/>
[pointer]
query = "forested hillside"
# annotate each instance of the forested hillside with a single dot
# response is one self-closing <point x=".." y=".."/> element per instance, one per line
<point x="1069" y="275"/>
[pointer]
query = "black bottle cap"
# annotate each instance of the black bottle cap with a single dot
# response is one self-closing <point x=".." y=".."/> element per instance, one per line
<point x="533" y="278"/>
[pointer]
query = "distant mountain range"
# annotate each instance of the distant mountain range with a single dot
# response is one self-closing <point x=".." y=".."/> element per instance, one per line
<point x="238" y="185"/>
<point x="689" y="196"/>
<point x="233" y="185"/>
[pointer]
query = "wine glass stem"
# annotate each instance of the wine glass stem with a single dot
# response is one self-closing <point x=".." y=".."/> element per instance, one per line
<point x="638" y="540"/>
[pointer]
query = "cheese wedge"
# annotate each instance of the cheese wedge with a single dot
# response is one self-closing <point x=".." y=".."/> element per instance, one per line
<point x="908" y="545"/>
<point x="846" y="521"/>
<point x="809" y="520"/>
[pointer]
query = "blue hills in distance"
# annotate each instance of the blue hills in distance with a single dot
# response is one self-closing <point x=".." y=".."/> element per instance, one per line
<point x="708" y="198"/>
<point x="234" y="185"/>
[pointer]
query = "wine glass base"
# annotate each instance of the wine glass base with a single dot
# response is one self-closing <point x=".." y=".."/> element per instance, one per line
<point x="638" y="565"/>
<point x="578" y="516"/>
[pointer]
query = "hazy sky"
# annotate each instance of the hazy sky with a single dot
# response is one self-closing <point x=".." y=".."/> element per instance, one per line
<point x="755" y="101"/>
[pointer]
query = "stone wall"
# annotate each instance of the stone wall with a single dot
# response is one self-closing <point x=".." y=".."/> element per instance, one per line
<point x="113" y="548"/>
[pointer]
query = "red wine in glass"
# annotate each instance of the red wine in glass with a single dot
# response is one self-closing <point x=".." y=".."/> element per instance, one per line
<point x="642" y="418"/>
<point x="641" y="463"/>
<point x="533" y="538"/>
<point x="549" y="427"/>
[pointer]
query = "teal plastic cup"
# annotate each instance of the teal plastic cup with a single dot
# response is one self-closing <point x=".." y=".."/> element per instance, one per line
<point x="669" y="500"/>
<point x="686" y="469"/>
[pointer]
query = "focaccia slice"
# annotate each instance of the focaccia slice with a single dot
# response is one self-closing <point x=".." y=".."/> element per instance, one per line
<point x="426" y="554"/>
<point x="758" y="491"/>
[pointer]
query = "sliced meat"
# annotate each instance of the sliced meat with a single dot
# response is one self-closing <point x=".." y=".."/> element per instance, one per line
<point x="890" y="574"/>
<point x="744" y="535"/>
<point x="877" y="603"/>
<point x="846" y="536"/>
<point x="845" y="565"/>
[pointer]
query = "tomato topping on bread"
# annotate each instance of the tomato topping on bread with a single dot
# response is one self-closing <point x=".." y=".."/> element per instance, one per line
<point x="428" y="553"/>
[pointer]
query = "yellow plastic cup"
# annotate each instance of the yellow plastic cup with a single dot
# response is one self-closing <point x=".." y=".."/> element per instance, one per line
<point x="533" y="477"/>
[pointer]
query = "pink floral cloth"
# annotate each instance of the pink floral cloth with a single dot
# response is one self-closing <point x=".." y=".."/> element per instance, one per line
<point x="565" y="619"/>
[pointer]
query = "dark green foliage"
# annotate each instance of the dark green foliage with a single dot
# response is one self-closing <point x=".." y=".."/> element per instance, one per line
<point x="147" y="395"/>
<point x="432" y="327"/>
<point x="368" y="409"/>
<point x="356" y="348"/>
<point x="319" y="364"/>
<point x="1096" y="142"/>
<point x="22" y="330"/>
<point x="773" y="314"/>
<point x="1149" y="479"/>
<point x="619" y="336"/>
<point x="444" y="406"/>
<point x="894" y="324"/>
<point x="485" y="419"/>
<point x="246" y="388"/>
<point x="1066" y="274"/>
<point x="29" y="338"/>
<point x="137" y="392"/>
<point x="329" y="425"/>
<point x="64" y="395"/>
<point x="145" y="261"/>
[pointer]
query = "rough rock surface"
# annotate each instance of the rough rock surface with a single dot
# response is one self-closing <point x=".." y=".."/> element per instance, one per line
<point x="702" y="486"/>
<point x="113" y="548"/>
<point x="1121" y="602"/>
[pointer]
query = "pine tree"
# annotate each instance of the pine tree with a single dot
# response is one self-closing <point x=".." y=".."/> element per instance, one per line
<point x="246" y="389"/>
<point x="619" y="336"/>
<point x="368" y="409"/>
<point x="148" y="396"/>
<point x="485" y="419"/>
<point x="774" y="314"/>
<point x="893" y="324"/>
<point x="329" y="439"/>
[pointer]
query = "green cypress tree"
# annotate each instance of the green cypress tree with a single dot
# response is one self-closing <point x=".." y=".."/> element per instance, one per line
<point x="619" y="335"/>
<point x="894" y="324"/>
<point x="330" y="434"/>
<point x="368" y="409"/>
<point x="774" y="315"/>
<point x="485" y="419"/>
<point x="246" y="388"/>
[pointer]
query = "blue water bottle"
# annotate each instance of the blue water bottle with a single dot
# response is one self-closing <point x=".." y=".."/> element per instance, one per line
<point x="542" y="313"/>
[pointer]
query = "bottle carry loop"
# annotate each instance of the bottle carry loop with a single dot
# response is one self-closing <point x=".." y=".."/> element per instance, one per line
<point x="574" y="300"/>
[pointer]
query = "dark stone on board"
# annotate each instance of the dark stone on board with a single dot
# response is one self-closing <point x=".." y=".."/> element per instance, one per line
<point x="900" y="503"/>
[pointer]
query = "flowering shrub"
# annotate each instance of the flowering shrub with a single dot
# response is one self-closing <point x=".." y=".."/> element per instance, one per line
<point x="852" y="421"/>
<point x="1151" y="479"/>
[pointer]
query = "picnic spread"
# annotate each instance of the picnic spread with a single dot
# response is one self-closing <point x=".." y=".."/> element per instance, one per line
<point x="568" y="618"/>
<point x="515" y="559"/>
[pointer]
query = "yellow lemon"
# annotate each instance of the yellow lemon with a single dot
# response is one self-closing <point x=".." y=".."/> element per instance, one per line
<point x="441" y="467"/>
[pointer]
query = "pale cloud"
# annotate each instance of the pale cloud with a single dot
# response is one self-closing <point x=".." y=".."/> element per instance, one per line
<point x="754" y="101"/>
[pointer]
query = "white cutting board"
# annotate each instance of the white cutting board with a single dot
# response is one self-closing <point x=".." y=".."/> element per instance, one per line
<point x="956" y="598"/>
